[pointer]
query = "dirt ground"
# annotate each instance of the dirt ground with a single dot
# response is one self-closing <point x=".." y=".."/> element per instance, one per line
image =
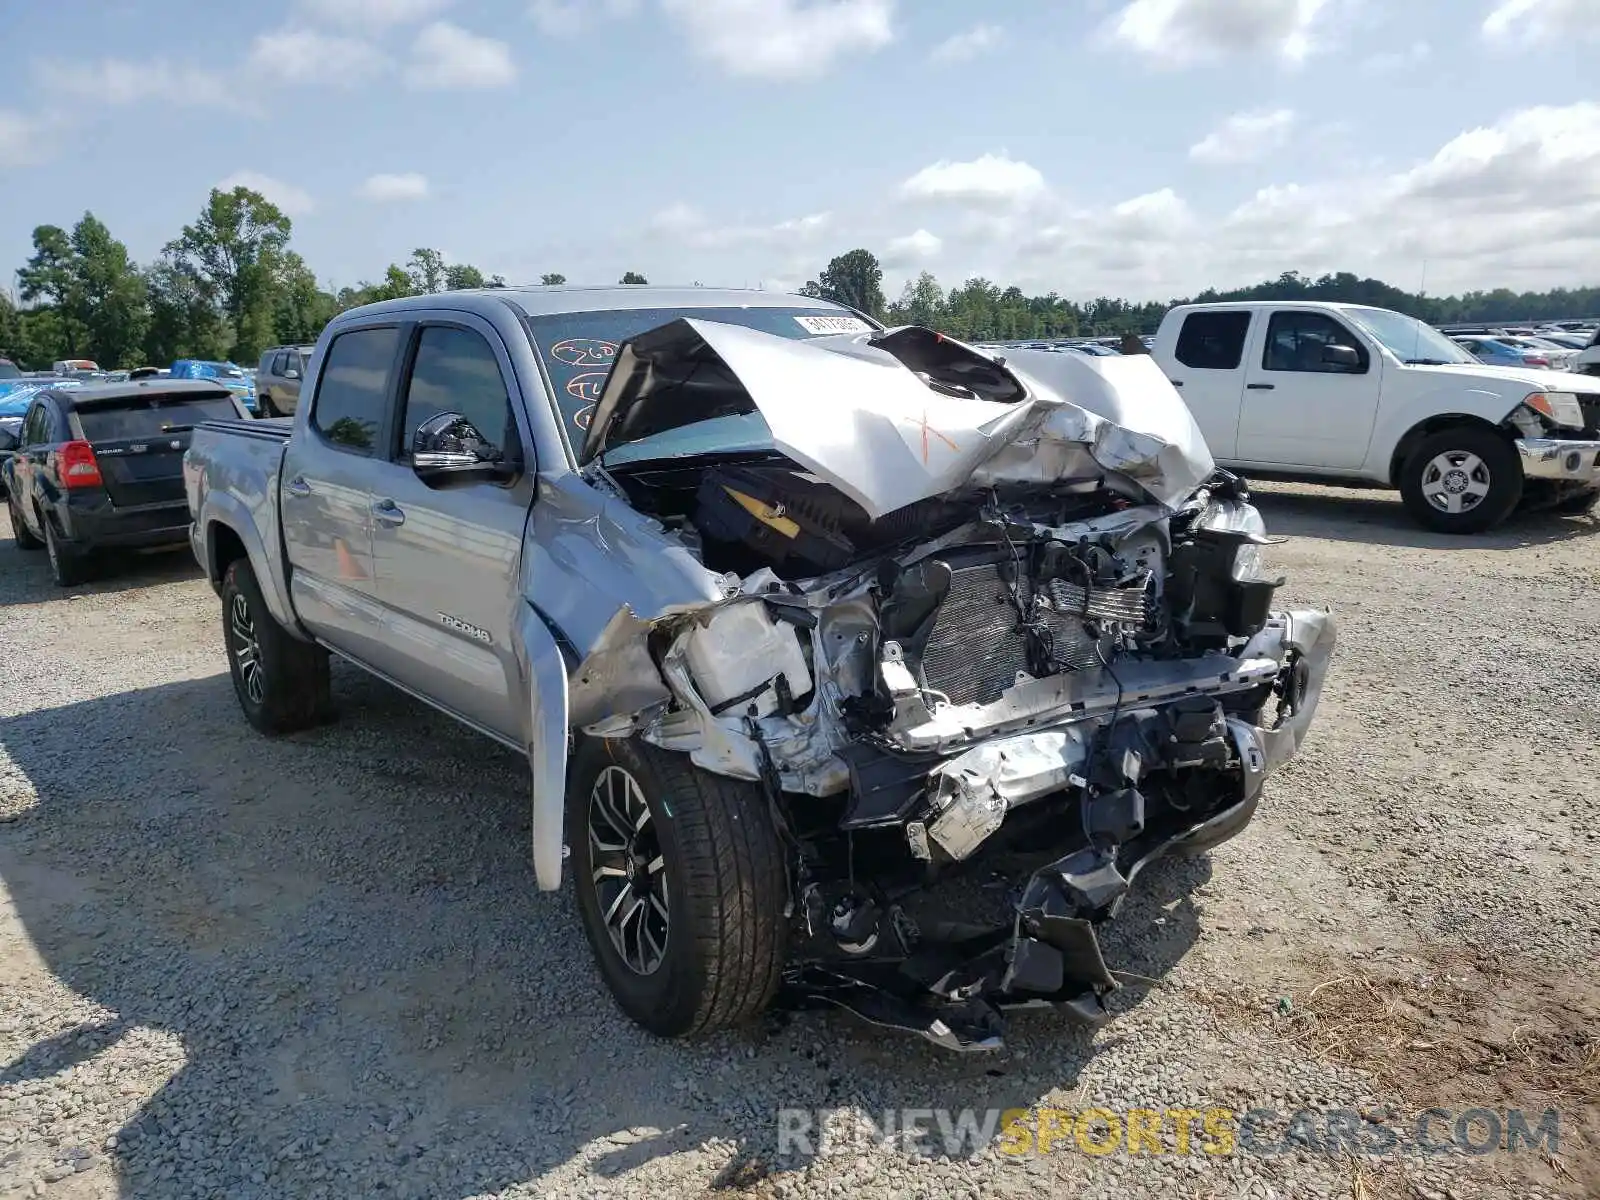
<point x="318" y="966"/>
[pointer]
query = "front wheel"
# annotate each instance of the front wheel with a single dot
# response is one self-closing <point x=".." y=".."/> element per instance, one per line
<point x="268" y="409"/>
<point x="681" y="886"/>
<point x="281" y="682"/>
<point x="1461" y="480"/>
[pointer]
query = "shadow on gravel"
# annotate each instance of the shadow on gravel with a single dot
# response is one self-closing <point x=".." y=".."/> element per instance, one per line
<point x="372" y="998"/>
<point x="1378" y="518"/>
<point x="28" y="573"/>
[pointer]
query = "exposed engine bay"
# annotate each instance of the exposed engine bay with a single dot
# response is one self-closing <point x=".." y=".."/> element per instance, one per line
<point x="1052" y="672"/>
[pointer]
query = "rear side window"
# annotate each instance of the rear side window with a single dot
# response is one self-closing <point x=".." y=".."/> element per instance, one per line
<point x="351" y="396"/>
<point x="1213" y="341"/>
<point x="146" y="415"/>
<point x="456" y="371"/>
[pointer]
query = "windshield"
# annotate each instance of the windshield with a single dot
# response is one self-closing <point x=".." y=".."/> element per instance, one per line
<point x="578" y="348"/>
<point x="1407" y="338"/>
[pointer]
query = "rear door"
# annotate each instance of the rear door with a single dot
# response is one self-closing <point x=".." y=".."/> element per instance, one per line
<point x="139" y="440"/>
<point x="447" y="555"/>
<point x="1209" y="373"/>
<point x="325" y="494"/>
<point x="1299" y="409"/>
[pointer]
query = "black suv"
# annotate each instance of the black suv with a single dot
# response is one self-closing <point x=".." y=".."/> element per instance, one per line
<point x="102" y="466"/>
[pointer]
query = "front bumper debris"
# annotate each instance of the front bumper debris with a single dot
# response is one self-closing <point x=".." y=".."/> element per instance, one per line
<point x="951" y="982"/>
<point x="1559" y="460"/>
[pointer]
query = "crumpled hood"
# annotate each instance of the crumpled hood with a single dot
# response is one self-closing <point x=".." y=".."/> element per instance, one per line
<point x="853" y="411"/>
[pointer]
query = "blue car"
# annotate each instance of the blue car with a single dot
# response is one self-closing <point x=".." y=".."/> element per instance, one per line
<point x="15" y="394"/>
<point x="229" y="375"/>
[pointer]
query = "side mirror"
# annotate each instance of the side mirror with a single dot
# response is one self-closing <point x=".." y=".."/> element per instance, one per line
<point x="1347" y="357"/>
<point x="291" y="373"/>
<point x="9" y="440"/>
<point x="449" y="446"/>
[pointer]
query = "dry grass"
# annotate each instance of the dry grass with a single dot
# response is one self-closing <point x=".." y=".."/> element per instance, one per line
<point x="1455" y="1028"/>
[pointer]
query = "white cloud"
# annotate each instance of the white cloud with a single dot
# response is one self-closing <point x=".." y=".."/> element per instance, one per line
<point x="119" y="82"/>
<point x="1183" y="31"/>
<point x="566" y="18"/>
<point x="1244" y="137"/>
<point x="994" y="179"/>
<point x="308" y="55"/>
<point x="1410" y="57"/>
<point x="294" y="201"/>
<point x="1529" y="22"/>
<point x="447" y="56"/>
<point x="782" y="39"/>
<point x="372" y="14"/>
<point x="912" y="249"/>
<point x="969" y="44"/>
<point x="409" y="185"/>
<point x="21" y="139"/>
<point x="689" y="226"/>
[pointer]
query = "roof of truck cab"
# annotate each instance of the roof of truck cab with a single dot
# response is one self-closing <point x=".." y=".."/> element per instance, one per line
<point x="566" y="298"/>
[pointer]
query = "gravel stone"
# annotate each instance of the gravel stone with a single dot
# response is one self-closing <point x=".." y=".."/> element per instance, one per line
<point x="318" y="966"/>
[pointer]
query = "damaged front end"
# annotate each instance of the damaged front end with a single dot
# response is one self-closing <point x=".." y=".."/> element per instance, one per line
<point x="990" y="635"/>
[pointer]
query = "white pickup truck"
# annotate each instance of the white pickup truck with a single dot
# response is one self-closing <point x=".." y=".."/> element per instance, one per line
<point x="1347" y="392"/>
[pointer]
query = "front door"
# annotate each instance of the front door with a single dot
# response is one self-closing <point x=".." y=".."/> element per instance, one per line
<point x="325" y="492"/>
<point x="1301" y="409"/>
<point x="447" y="554"/>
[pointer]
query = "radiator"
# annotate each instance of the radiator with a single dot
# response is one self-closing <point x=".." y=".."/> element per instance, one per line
<point x="976" y="649"/>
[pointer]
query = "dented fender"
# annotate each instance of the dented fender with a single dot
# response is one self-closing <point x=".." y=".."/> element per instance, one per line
<point x="546" y="672"/>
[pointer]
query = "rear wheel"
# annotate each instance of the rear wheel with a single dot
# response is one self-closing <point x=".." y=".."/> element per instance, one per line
<point x="281" y="682"/>
<point x="68" y="566"/>
<point x="1461" y="480"/>
<point x="19" y="530"/>
<point x="681" y="887"/>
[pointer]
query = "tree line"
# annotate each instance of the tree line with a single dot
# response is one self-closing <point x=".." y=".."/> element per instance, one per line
<point x="229" y="285"/>
<point x="981" y="310"/>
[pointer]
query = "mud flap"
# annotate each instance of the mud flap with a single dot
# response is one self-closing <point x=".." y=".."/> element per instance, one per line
<point x="547" y="744"/>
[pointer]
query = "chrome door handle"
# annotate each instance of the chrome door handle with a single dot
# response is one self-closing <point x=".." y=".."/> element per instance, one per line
<point x="298" y="486"/>
<point x="389" y="512"/>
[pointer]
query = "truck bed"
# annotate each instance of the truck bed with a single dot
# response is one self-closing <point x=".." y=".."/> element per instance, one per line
<point x="231" y="473"/>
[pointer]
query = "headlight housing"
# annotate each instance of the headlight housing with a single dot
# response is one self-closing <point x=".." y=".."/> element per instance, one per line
<point x="1559" y="408"/>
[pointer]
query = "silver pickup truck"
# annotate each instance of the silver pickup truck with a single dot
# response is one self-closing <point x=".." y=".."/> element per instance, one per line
<point x="806" y="627"/>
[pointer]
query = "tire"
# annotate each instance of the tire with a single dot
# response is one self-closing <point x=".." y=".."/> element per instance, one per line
<point x="1476" y="469"/>
<point x="724" y="939"/>
<point x="68" y="568"/>
<point x="268" y="409"/>
<point x="281" y="682"/>
<point x="23" y="535"/>
<point x="1579" y="502"/>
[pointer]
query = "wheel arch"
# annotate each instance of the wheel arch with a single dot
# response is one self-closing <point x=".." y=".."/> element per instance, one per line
<point x="229" y="534"/>
<point x="1427" y="428"/>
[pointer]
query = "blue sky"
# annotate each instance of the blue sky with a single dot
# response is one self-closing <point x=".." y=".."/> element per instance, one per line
<point x="1143" y="148"/>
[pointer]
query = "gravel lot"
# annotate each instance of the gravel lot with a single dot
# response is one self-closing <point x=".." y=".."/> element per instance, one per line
<point x="319" y="966"/>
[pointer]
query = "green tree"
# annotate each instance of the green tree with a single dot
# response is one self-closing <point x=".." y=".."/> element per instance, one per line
<point x="921" y="303"/>
<point x="633" y="277"/>
<point x="552" y="279"/>
<point x="427" y="270"/>
<point x="93" y="288"/>
<point x="459" y="277"/>
<point x="237" y="247"/>
<point x="184" y="319"/>
<point x="854" y="278"/>
<point x="302" y="308"/>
